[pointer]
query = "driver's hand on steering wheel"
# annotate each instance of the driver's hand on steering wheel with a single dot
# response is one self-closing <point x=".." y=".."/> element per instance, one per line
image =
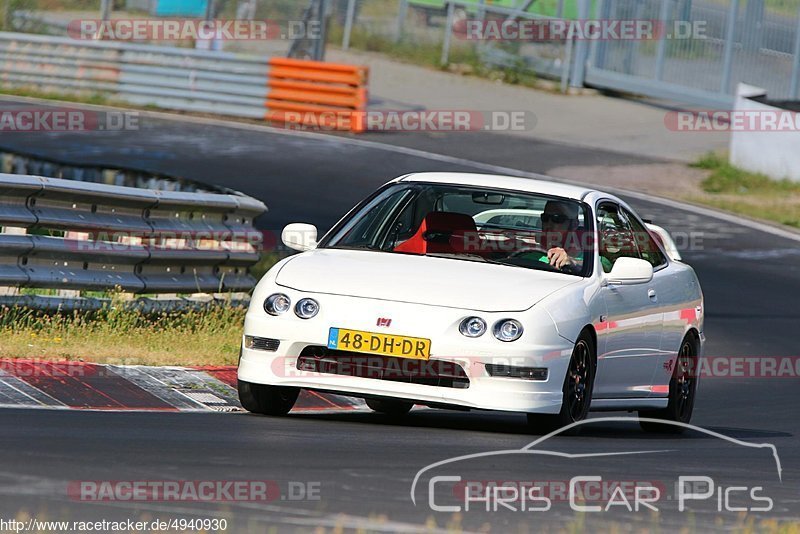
<point x="559" y="258"/>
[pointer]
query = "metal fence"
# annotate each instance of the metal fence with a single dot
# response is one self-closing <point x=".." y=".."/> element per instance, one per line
<point x="54" y="17"/>
<point x="68" y="235"/>
<point x="750" y="42"/>
<point x="737" y="46"/>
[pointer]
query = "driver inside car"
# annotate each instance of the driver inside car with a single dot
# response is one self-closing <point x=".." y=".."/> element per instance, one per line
<point x="559" y="245"/>
<point x="560" y="235"/>
<point x="559" y="225"/>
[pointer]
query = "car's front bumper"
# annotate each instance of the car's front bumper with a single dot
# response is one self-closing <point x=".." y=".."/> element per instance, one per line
<point x="540" y="348"/>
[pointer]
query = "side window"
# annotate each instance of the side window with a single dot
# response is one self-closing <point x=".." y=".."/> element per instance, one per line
<point x="648" y="248"/>
<point x="616" y="237"/>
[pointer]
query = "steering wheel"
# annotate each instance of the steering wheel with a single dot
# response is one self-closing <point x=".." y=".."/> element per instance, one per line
<point x="542" y="251"/>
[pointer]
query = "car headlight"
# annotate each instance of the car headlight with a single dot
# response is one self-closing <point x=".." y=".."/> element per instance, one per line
<point x="472" y="327"/>
<point x="306" y="308"/>
<point x="507" y="330"/>
<point x="277" y="304"/>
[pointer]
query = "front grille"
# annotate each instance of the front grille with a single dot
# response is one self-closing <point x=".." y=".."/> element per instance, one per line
<point x="438" y="373"/>
<point x="261" y="343"/>
<point x="510" y="371"/>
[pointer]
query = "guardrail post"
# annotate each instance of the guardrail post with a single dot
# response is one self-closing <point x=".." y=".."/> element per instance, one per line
<point x="661" y="52"/>
<point x="6" y="14"/>
<point x="793" y="91"/>
<point x="210" y="6"/>
<point x="581" y="49"/>
<point x="402" y="13"/>
<point x="319" y="43"/>
<point x="725" y="82"/>
<point x="565" y="67"/>
<point x="448" y="32"/>
<point x="599" y="47"/>
<point x="751" y="26"/>
<point x="348" y="23"/>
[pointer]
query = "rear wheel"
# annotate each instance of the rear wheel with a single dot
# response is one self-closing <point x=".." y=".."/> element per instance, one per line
<point x="577" y="390"/>
<point x="682" y="388"/>
<point x="395" y="408"/>
<point x="267" y="400"/>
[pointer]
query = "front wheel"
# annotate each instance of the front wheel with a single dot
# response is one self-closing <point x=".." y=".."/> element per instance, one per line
<point x="394" y="408"/>
<point x="267" y="400"/>
<point x="577" y="390"/>
<point x="682" y="388"/>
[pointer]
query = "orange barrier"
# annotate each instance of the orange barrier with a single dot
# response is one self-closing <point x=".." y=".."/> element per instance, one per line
<point x="317" y="94"/>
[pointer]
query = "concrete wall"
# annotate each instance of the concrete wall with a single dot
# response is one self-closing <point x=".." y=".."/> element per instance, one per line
<point x="774" y="153"/>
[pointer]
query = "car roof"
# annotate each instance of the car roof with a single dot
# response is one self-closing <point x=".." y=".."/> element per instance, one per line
<point x="514" y="183"/>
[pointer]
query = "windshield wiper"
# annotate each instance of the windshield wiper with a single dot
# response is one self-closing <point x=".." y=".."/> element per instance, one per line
<point x="469" y="257"/>
<point x="357" y="247"/>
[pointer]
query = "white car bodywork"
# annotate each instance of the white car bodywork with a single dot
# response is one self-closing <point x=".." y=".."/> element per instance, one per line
<point x="638" y="327"/>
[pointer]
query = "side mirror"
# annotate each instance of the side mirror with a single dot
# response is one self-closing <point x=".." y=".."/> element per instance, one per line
<point x="300" y="236"/>
<point x="627" y="271"/>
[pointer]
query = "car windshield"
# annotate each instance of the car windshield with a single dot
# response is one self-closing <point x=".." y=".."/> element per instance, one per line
<point x="472" y="224"/>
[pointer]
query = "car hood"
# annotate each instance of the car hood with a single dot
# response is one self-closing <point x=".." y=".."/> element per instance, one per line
<point x="416" y="279"/>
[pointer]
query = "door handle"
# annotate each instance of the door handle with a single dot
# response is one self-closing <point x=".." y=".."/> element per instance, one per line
<point x="651" y="293"/>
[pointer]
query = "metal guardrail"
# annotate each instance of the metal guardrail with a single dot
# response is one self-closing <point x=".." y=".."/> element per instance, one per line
<point x="143" y="305"/>
<point x="63" y="234"/>
<point x="275" y="89"/>
<point x="14" y="162"/>
<point x="166" y="77"/>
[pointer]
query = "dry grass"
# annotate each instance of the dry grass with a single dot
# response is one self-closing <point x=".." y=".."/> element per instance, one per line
<point x="117" y="335"/>
<point x="749" y="193"/>
<point x="120" y="335"/>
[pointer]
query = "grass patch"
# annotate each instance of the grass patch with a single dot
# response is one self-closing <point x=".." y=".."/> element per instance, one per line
<point x="120" y="334"/>
<point x="752" y="194"/>
<point x="115" y="334"/>
<point x="784" y="7"/>
<point x="787" y="213"/>
<point x="725" y="178"/>
<point x="80" y="98"/>
<point x="778" y="7"/>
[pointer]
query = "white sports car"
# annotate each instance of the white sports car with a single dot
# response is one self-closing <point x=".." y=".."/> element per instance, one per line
<point x="479" y="291"/>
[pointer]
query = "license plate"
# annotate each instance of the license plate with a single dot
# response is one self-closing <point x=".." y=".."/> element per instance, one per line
<point x="384" y="344"/>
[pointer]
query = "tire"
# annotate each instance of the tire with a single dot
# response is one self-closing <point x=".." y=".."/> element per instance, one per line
<point x="577" y="389"/>
<point x="267" y="400"/>
<point x="395" y="408"/>
<point x="682" y="391"/>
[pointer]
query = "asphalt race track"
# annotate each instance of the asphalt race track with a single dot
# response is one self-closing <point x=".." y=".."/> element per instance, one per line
<point x="359" y="467"/>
